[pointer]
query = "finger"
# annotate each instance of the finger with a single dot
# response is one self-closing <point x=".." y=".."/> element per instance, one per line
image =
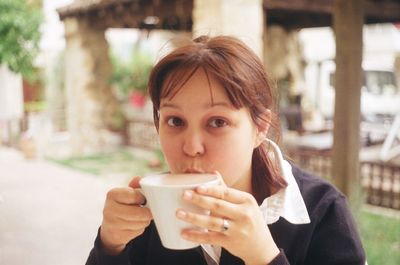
<point x="216" y="206"/>
<point x="115" y="223"/>
<point x="202" y="237"/>
<point x="126" y="195"/>
<point x="224" y="193"/>
<point x="128" y="212"/>
<point x="208" y="222"/>
<point x="134" y="183"/>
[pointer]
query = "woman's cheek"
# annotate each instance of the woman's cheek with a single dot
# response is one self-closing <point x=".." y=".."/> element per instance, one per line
<point x="224" y="160"/>
<point x="234" y="167"/>
<point x="169" y="149"/>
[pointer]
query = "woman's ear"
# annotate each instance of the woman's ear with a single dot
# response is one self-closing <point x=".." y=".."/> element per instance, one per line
<point x="265" y="121"/>
<point x="263" y="128"/>
<point x="260" y="138"/>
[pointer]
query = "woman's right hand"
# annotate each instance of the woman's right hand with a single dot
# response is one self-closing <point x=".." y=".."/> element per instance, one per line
<point x="123" y="217"/>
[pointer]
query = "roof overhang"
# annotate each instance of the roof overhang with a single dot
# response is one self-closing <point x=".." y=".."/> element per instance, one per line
<point x="177" y="14"/>
<point x="318" y="13"/>
<point x="145" y="14"/>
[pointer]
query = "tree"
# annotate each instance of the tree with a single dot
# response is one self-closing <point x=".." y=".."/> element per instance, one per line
<point x="19" y="35"/>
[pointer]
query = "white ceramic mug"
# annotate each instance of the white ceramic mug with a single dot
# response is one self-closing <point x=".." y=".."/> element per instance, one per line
<point x="164" y="197"/>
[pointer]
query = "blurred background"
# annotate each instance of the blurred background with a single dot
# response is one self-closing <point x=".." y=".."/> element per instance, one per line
<point x="75" y="119"/>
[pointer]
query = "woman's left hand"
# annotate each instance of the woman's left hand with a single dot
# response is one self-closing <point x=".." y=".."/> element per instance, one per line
<point x="247" y="237"/>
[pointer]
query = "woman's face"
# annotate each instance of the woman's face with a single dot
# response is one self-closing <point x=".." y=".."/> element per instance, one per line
<point x="201" y="131"/>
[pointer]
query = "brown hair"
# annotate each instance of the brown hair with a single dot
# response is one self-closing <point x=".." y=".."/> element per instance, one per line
<point x="242" y="75"/>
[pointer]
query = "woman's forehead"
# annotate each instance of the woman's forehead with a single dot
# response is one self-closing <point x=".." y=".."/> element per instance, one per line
<point x="214" y="83"/>
<point x="193" y="79"/>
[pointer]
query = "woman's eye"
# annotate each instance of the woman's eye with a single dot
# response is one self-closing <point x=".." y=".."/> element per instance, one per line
<point x="175" y="122"/>
<point x="217" y="123"/>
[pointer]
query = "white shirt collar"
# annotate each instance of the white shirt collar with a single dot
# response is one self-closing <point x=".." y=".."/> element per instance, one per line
<point x="287" y="203"/>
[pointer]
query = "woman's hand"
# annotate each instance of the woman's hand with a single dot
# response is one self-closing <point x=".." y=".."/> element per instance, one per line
<point x="123" y="217"/>
<point x="247" y="237"/>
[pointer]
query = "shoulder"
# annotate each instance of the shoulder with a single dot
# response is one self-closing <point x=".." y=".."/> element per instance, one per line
<point x="319" y="195"/>
<point x="333" y="228"/>
<point x="309" y="182"/>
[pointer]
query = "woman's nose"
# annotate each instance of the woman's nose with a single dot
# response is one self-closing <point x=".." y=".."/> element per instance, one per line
<point x="193" y="144"/>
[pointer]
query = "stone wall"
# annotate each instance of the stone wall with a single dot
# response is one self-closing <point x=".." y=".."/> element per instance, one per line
<point x="91" y="106"/>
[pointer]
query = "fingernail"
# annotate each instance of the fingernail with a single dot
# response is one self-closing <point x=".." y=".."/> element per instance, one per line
<point x="188" y="194"/>
<point x="181" y="214"/>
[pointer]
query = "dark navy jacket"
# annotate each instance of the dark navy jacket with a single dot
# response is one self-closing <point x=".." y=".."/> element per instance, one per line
<point x="331" y="237"/>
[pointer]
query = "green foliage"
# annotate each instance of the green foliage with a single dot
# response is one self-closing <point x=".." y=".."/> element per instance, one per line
<point x="131" y="75"/>
<point x="19" y="36"/>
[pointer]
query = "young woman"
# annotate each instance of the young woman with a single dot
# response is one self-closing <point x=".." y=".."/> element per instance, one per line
<point x="214" y="111"/>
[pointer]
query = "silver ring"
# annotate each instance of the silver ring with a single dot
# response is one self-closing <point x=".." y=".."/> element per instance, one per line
<point x="225" y="225"/>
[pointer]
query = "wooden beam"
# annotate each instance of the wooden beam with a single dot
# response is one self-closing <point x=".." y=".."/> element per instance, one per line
<point x="348" y="23"/>
<point x="382" y="11"/>
<point x="303" y="19"/>
<point x="318" y="6"/>
<point x="317" y="13"/>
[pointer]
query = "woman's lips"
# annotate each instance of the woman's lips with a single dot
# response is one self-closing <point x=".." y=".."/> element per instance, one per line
<point x="193" y="170"/>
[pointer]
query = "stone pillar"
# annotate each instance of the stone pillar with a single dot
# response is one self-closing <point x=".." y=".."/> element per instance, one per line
<point x="55" y="96"/>
<point x="240" y="18"/>
<point x="283" y="57"/>
<point x="348" y="23"/>
<point x="91" y="105"/>
<point x="284" y="62"/>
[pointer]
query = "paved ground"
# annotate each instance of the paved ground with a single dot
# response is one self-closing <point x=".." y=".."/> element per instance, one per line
<point x="49" y="214"/>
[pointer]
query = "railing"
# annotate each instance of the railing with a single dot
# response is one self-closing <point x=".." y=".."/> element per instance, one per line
<point x="380" y="181"/>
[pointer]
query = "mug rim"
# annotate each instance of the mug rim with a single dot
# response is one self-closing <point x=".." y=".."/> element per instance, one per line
<point x="150" y="184"/>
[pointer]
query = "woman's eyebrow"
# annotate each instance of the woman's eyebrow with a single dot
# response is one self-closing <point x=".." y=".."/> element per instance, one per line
<point x="169" y="105"/>
<point x="206" y="106"/>
<point x="221" y="104"/>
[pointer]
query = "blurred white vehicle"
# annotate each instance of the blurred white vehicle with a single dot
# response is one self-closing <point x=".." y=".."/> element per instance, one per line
<point x="380" y="95"/>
